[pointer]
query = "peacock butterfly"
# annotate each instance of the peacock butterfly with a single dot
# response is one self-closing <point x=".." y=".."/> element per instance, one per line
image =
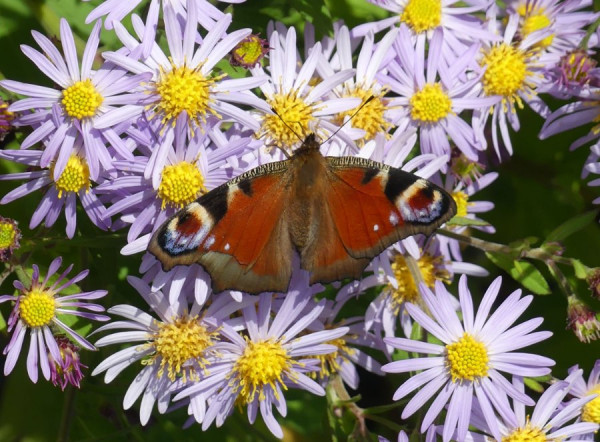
<point x="336" y="212"/>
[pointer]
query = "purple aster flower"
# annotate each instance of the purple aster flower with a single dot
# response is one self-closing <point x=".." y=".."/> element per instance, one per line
<point x="150" y="188"/>
<point x="184" y="81"/>
<point x="432" y="94"/>
<point x="268" y="357"/>
<point x="290" y="96"/>
<point x="373" y="117"/>
<point x="37" y="309"/>
<point x="563" y="20"/>
<point x="574" y="74"/>
<point x="10" y="235"/>
<point x="514" y="72"/>
<point x="61" y="193"/>
<point x="580" y="389"/>
<point x="115" y="11"/>
<point x="68" y="369"/>
<point x="583" y="111"/>
<point x="423" y="17"/>
<point x="182" y="343"/>
<point x="63" y="117"/>
<point x="549" y="420"/>
<point x="473" y="353"/>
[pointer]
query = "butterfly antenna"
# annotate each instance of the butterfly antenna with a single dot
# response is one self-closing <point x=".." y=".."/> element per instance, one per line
<point x="350" y="119"/>
<point x="287" y="125"/>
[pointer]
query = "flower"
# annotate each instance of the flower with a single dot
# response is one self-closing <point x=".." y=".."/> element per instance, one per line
<point x="116" y="10"/>
<point x="9" y="238"/>
<point x="67" y="370"/>
<point x="249" y="52"/>
<point x="38" y="308"/>
<point x="6" y="119"/>
<point x="181" y="344"/>
<point x="185" y="81"/>
<point x="582" y="320"/>
<point x="432" y="104"/>
<point x="548" y="421"/>
<point x="64" y="118"/>
<point x="424" y="17"/>
<point x="61" y="193"/>
<point x="574" y="75"/>
<point x="293" y="107"/>
<point x="268" y="357"/>
<point x="472" y="354"/>
<point x="581" y="389"/>
<point x="513" y="71"/>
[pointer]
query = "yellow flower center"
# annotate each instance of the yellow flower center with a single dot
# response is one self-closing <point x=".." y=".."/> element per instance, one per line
<point x="591" y="410"/>
<point x="74" y="178"/>
<point x="534" y="23"/>
<point x="184" y="90"/>
<point x="330" y="363"/>
<point x="462" y="202"/>
<point x="297" y="115"/>
<point x="176" y="343"/>
<point x="430" y="104"/>
<point x="467" y="359"/>
<point x="262" y="363"/>
<point x="6" y="116"/>
<point x="180" y="184"/>
<point x="370" y="118"/>
<point x="7" y="235"/>
<point x="506" y="72"/>
<point x="422" y="15"/>
<point x="526" y="434"/>
<point x="81" y="100"/>
<point x="37" y="308"/>
<point x="431" y="270"/>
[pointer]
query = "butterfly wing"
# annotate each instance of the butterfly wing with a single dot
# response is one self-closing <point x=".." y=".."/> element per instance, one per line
<point x="368" y="207"/>
<point x="238" y="232"/>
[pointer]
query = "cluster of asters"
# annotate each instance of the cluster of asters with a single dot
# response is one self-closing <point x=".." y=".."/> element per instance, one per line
<point x="154" y="127"/>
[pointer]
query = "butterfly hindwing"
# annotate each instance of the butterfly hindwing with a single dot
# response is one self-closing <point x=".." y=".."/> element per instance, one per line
<point x="374" y="205"/>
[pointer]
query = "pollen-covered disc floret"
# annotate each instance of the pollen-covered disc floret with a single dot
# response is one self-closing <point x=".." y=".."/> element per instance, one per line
<point x="526" y="434"/>
<point x="37" y="308"/>
<point x="462" y="202"/>
<point x="371" y="117"/>
<point x="467" y="359"/>
<point x="262" y="363"/>
<point x="422" y="15"/>
<point x="75" y="176"/>
<point x="10" y="236"/>
<point x="182" y="89"/>
<point x="179" y="342"/>
<point x="81" y="100"/>
<point x="430" y="104"/>
<point x="591" y="410"/>
<point x="180" y="184"/>
<point x="431" y="268"/>
<point x="292" y="118"/>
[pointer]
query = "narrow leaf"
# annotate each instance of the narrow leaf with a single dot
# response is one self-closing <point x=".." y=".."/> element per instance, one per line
<point x="571" y="226"/>
<point x="522" y="271"/>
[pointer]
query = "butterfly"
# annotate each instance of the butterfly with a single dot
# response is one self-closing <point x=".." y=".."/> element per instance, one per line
<point x="337" y="213"/>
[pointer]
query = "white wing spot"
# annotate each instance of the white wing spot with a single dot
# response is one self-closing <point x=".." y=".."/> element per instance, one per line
<point x="226" y="246"/>
<point x="393" y="219"/>
<point x="376" y="227"/>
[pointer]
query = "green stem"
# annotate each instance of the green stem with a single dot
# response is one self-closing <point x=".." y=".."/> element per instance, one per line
<point x="342" y="394"/>
<point x="584" y="42"/>
<point x="67" y="415"/>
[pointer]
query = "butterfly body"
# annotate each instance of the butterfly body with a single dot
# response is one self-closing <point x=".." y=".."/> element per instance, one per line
<point x="337" y="213"/>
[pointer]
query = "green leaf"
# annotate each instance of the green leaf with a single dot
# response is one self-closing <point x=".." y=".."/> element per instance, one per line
<point x="534" y="384"/>
<point x="581" y="270"/>
<point x="572" y="226"/>
<point x="522" y="271"/>
<point x="464" y="221"/>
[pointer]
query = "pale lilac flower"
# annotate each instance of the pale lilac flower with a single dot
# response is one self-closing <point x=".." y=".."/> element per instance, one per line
<point x="116" y="10"/>
<point x="64" y="117"/>
<point x="61" y="194"/>
<point x="184" y="82"/>
<point x="513" y="71"/>
<point x="290" y="96"/>
<point x="475" y="350"/>
<point x="581" y="389"/>
<point x="373" y="117"/>
<point x="433" y="94"/>
<point x="67" y="370"/>
<point x="549" y="420"/>
<point x="36" y="310"/>
<point x="181" y="343"/>
<point x="423" y="17"/>
<point x="592" y="165"/>
<point x="254" y="368"/>
<point x="575" y="74"/>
